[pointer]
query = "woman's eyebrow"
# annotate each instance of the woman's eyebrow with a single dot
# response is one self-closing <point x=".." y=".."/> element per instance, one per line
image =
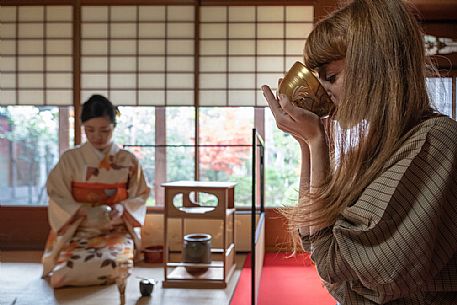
<point x="322" y="72"/>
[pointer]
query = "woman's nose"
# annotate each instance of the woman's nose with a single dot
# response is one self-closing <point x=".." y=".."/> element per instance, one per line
<point x="326" y="86"/>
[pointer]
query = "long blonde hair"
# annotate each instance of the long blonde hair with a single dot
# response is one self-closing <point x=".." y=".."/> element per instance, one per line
<point x="385" y="96"/>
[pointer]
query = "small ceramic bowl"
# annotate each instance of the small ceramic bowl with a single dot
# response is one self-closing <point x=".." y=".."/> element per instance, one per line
<point x="153" y="254"/>
<point x="147" y="287"/>
<point x="304" y="90"/>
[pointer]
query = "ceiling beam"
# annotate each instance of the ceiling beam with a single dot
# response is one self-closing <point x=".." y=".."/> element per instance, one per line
<point x="436" y="10"/>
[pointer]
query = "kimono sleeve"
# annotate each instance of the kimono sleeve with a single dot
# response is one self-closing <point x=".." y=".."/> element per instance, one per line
<point x="61" y="205"/>
<point x="138" y="193"/>
<point x="401" y="232"/>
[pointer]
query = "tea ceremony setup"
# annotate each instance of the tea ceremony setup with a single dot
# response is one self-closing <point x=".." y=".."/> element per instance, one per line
<point x="198" y="269"/>
<point x="184" y="152"/>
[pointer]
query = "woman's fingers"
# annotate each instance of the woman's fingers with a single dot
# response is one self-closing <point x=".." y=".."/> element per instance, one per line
<point x="288" y="107"/>
<point x="282" y="119"/>
<point x="271" y="100"/>
<point x="279" y="84"/>
<point x="288" y="117"/>
<point x="300" y="123"/>
<point x="295" y="112"/>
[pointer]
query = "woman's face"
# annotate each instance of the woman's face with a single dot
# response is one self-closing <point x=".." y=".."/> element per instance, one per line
<point x="331" y="76"/>
<point x="99" y="132"/>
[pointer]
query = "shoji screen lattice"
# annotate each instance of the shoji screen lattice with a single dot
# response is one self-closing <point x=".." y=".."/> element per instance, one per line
<point x="244" y="47"/>
<point x="145" y="55"/>
<point x="138" y="55"/>
<point x="36" y="55"/>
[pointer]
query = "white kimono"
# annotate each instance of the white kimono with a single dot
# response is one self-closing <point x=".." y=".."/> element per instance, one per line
<point x="86" y="250"/>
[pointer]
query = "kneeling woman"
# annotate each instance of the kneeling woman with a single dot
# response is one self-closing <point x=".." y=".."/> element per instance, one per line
<point x="97" y="195"/>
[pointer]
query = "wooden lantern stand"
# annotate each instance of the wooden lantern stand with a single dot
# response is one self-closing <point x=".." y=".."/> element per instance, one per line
<point x="219" y="271"/>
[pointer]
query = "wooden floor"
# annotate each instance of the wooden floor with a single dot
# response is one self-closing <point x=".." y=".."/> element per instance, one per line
<point x="21" y="284"/>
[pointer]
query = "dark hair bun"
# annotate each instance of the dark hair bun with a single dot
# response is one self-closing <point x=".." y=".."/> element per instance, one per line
<point x="99" y="106"/>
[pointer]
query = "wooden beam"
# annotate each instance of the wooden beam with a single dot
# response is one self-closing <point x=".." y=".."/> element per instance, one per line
<point x="23" y="227"/>
<point x="137" y="2"/>
<point x="27" y="228"/>
<point x="427" y="10"/>
<point x="257" y="2"/>
<point x="436" y="10"/>
<point x="441" y="29"/>
<point x="323" y="7"/>
<point x="35" y="2"/>
<point x="160" y="2"/>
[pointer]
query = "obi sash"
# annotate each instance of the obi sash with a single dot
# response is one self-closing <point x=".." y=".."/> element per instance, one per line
<point x="99" y="193"/>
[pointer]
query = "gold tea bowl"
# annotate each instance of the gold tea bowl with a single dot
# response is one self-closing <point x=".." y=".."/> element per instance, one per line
<point x="305" y="91"/>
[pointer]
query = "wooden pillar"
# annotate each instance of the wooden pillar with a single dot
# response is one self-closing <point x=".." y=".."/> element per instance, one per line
<point x="160" y="155"/>
<point x="64" y="129"/>
<point x="77" y="68"/>
<point x="259" y="120"/>
<point x="197" y="90"/>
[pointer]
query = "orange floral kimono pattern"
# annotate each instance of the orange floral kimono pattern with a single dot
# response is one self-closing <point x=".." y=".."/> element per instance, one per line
<point x="87" y="250"/>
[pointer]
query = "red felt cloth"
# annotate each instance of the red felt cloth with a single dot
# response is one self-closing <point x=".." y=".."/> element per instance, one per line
<point x="285" y="280"/>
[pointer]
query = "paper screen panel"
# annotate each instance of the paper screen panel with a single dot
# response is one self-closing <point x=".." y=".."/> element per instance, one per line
<point x="270" y="13"/>
<point x="213" y="98"/>
<point x="151" y="97"/>
<point x="213" y="81"/>
<point x="242" y="45"/>
<point x="218" y="31"/>
<point x="180" y="97"/>
<point x="151" y="81"/>
<point x="242" y="13"/>
<point x="36" y="47"/>
<point x="242" y="64"/>
<point x="241" y="30"/>
<point x="143" y="51"/>
<point x="151" y="63"/>
<point x="241" y="81"/>
<point x="255" y="47"/>
<point x="270" y="30"/>
<point x="180" y="64"/>
<point x="213" y="64"/>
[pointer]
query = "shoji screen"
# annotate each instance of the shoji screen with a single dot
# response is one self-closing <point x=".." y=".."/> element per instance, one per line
<point x="36" y="55"/>
<point x="243" y="47"/>
<point x="138" y="55"/>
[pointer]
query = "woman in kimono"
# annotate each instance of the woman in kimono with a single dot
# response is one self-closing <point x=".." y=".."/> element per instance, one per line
<point x="97" y="195"/>
<point x="379" y="221"/>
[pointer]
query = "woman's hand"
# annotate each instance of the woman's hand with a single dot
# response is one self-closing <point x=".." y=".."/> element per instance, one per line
<point x="304" y="125"/>
<point x="308" y="129"/>
<point x="117" y="210"/>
